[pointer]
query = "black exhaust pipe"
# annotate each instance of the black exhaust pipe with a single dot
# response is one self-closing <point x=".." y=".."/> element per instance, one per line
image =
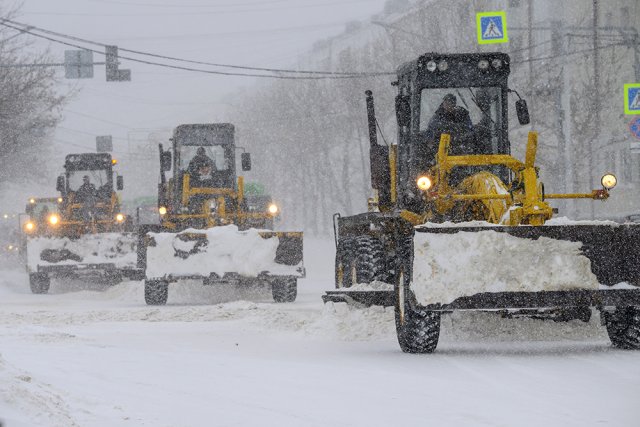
<point x="378" y="158"/>
<point x="371" y="119"/>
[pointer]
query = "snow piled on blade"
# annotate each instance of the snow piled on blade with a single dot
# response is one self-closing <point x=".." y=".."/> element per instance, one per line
<point x="376" y="285"/>
<point x="226" y="250"/>
<point x="449" y="266"/>
<point x="563" y="220"/>
<point x="103" y="248"/>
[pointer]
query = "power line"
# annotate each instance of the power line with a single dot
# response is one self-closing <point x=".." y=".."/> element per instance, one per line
<point x="86" y="133"/>
<point x="162" y="5"/>
<point x="321" y="74"/>
<point x="316" y="75"/>
<point x="543" y="58"/>
<point x="268" y="31"/>
<point x="214" y="12"/>
<point x="177" y="67"/>
<point x="97" y="118"/>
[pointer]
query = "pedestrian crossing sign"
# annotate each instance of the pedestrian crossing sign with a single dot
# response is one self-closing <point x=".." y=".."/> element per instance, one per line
<point x="632" y="98"/>
<point x="492" y="27"/>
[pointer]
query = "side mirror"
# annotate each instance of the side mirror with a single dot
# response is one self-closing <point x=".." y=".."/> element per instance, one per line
<point x="523" y="112"/>
<point x="165" y="159"/>
<point x="245" y="159"/>
<point x="60" y="184"/>
<point x="403" y="111"/>
<point x="119" y="183"/>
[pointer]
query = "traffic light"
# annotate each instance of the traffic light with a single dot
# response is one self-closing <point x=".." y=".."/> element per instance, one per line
<point x="113" y="73"/>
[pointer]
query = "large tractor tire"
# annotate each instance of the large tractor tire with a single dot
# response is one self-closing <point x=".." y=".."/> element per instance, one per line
<point x="623" y="327"/>
<point x="156" y="292"/>
<point x="285" y="289"/>
<point x="39" y="283"/>
<point x="417" y="329"/>
<point x="112" y="278"/>
<point x="360" y="260"/>
<point x="344" y="259"/>
<point x="370" y="260"/>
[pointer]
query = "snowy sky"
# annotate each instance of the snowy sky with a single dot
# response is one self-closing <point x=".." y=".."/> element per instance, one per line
<point x="268" y="33"/>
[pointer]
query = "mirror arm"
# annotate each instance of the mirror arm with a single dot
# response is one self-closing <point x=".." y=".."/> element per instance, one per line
<point x="514" y="91"/>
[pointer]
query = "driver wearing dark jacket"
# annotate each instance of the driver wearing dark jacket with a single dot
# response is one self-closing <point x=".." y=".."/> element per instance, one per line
<point x="87" y="191"/>
<point x="201" y="165"/>
<point x="451" y="119"/>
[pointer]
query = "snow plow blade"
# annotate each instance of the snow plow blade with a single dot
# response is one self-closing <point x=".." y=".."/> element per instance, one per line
<point x="547" y="266"/>
<point x="612" y="249"/>
<point x="219" y="253"/>
<point x="363" y="298"/>
<point x="111" y="254"/>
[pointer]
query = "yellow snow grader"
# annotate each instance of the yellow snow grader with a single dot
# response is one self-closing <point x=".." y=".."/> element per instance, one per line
<point x="207" y="231"/>
<point x="39" y="212"/>
<point x="458" y="223"/>
<point x="82" y="233"/>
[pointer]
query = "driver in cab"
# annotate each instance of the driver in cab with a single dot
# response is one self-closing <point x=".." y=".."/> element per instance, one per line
<point x="451" y="119"/>
<point x="200" y="167"/>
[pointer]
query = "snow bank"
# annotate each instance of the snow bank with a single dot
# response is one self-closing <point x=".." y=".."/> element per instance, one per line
<point x="226" y="250"/>
<point x="115" y="248"/>
<point x="27" y="401"/>
<point x="448" y="266"/>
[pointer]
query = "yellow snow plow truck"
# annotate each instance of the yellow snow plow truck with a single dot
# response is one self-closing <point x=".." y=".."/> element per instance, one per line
<point x="207" y="231"/>
<point x="458" y="223"/>
<point x="82" y="233"/>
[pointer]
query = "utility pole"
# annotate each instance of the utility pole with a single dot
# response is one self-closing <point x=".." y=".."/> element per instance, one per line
<point x="636" y="54"/>
<point x="596" y="99"/>
<point x="565" y="132"/>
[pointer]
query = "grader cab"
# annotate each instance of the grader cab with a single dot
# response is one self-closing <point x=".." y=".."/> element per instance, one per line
<point x="458" y="223"/>
<point x="207" y="229"/>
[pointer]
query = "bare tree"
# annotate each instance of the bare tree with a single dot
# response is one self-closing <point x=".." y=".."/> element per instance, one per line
<point x="29" y="105"/>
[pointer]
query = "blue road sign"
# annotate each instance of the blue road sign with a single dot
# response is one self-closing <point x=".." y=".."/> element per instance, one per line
<point x="635" y="127"/>
<point x="492" y="27"/>
<point x="632" y="98"/>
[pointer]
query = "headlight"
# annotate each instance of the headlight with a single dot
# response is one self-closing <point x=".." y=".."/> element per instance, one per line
<point x="29" y="226"/>
<point x="609" y="181"/>
<point x="54" y="219"/>
<point x="443" y="65"/>
<point x="5" y="216"/>
<point x="483" y="64"/>
<point x="496" y="63"/>
<point x="32" y="201"/>
<point x="162" y="210"/>
<point x="431" y="66"/>
<point x="119" y="217"/>
<point x="59" y="199"/>
<point x="273" y="209"/>
<point x="424" y="183"/>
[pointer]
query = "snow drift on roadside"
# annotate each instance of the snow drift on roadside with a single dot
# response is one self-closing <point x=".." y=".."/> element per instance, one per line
<point x="448" y="266"/>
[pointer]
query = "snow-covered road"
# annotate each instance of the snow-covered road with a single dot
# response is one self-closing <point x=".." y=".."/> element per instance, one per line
<point x="101" y="357"/>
